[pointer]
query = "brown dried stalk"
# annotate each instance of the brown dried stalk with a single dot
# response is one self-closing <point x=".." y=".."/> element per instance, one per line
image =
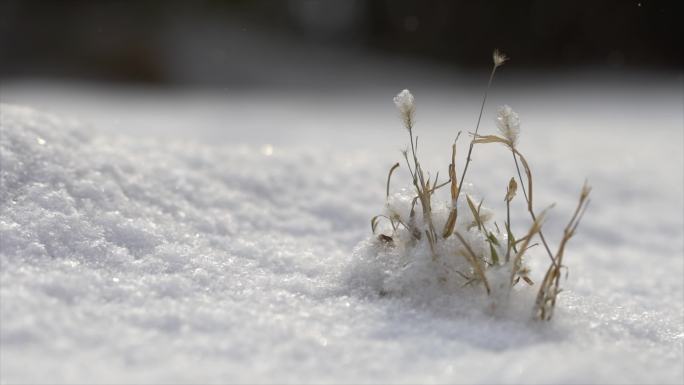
<point x="510" y="194"/>
<point x="517" y="260"/>
<point x="471" y="257"/>
<point x="549" y="288"/>
<point x="528" y="173"/>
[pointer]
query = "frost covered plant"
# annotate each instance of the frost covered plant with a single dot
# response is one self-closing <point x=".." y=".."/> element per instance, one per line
<point x="406" y="107"/>
<point x="455" y="242"/>
<point x="508" y="123"/>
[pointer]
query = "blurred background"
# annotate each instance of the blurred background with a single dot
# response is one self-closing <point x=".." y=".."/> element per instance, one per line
<point x="302" y="72"/>
<point x="319" y="44"/>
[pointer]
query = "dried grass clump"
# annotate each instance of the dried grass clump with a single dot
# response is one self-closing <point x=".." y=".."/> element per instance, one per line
<point x="464" y="248"/>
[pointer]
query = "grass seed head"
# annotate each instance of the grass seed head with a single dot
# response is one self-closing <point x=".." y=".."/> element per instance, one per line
<point x="508" y="123"/>
<point x="512" y="189"/>
<point x="499" y="58"/>
<point x="406" y="106"/>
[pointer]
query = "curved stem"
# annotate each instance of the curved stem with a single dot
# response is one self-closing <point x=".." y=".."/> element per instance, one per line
<point x="529" y="207"/>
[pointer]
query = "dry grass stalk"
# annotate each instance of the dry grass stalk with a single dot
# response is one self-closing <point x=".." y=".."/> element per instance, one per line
<point x="485" y="257"/>
<point x="534" y="229"/>
<point x="453" y="181"/>
<point x="472" y="258"/>
<point x="550" y="286"/>
<point x="510" y="240"/>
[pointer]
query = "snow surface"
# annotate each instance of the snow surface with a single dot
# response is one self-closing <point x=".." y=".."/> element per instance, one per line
<point x="187" y="239"/>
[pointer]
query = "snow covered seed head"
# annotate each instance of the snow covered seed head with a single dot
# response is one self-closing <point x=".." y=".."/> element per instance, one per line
<point x="404" y="102"/>
<point x="499" y="58"/>
<point x="509" y="124"/>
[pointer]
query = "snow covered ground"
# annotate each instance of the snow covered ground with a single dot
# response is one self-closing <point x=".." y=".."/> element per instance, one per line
<point x="207" y="236"/>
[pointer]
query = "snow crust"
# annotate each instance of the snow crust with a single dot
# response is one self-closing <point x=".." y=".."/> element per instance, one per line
<point x="155" y="260"/>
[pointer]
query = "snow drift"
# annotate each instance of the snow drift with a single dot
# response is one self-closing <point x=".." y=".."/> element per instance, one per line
<point x="138" y="260"/>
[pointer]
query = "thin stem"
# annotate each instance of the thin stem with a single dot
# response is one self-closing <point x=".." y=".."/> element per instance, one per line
<point x="531" y="211"/>
<point x="517" y="167"/>
<point x="439" y="186"/>
<point x="548" y="291"/>
<point x="413" y="148"/>
<point x="422" y="189"/>
<point x="472" y="258"/>
<point x="408" y="164"/>
<point x="477" y="127"/>
<point x="508" y="229"/>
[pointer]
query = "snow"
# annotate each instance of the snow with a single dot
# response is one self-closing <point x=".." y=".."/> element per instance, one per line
<point x="185" y="238"/>
<point x="412" y="268"/>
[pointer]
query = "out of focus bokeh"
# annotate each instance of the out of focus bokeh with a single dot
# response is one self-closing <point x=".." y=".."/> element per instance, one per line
<point x="321" y="44"/>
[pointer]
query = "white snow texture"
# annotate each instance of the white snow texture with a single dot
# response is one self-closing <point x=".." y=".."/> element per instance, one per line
<point x="130" y="259"/>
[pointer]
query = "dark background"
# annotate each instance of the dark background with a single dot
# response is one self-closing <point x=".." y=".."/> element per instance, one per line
<point x="240" y="42"/>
